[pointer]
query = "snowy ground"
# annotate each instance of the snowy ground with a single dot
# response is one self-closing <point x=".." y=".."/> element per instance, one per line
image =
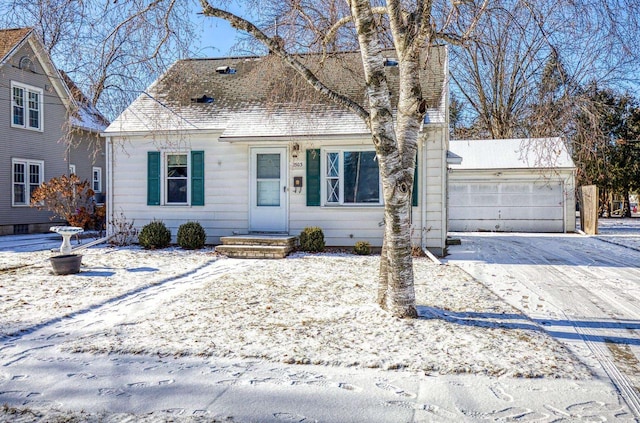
<point x="621" y="231"/>
<point x="305" y="309"/>
<point x="583" y="290"/>
<point x="317" y="310"/>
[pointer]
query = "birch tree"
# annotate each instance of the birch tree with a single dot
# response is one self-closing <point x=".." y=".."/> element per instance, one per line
<point x="411" y="26"/>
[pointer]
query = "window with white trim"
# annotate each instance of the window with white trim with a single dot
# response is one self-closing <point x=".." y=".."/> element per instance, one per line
<point x="26" y="106"/>
<point x="96" y="179"/>
<point x="176" y="181"/>
<point x="72" y="169"/>
<point x="27" y="176"/>
<point x="351" y="177"/>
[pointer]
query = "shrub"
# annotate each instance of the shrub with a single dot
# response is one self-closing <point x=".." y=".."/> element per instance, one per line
<point x="124" y="231"/>
<point x="68" y="198"/>
<point x="312" y="239"/>
<point x="191" y="236"/>
<point x="362" y="248"/>
<point x="154" y="235"/>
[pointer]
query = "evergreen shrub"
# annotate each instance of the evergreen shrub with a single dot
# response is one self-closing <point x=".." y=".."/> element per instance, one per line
<point x="312" y="239"/>
<point x="362" y="248"/>
<point x="154" y="235"/>
<point x="191" y="236"/>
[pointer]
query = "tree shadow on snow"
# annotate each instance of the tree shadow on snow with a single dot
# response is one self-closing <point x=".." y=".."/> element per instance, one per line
<point x="549" y="326"/>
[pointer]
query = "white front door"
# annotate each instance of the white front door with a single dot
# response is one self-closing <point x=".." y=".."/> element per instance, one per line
<point x="269" y="190"/>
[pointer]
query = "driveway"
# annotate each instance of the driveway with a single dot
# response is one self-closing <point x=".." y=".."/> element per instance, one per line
<point x="583" y="290"/>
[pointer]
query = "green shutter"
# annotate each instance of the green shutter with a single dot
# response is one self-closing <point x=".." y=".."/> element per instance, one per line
<point x="197" y="178"/>
<point x="313" y="177"/>
<point x="414" y="193"/>
<point x="153" y="178"/>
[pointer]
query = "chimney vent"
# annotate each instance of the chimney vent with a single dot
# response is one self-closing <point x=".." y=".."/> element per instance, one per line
<point x="225" y="70"/>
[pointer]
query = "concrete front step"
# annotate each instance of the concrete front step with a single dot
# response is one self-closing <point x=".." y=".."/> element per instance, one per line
<point x="284" y="240"/>
<point x="257" y="246"/>
<point x="254" y="251"/>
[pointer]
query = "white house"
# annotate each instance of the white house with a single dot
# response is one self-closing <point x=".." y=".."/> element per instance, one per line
<point x="512" y="185"/>
<point x="242" y="145"/>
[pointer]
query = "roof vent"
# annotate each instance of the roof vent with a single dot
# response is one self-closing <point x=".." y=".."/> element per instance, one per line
<point x="204" y="99"/>
<point x="226" y="70"/>
<point x="390" y="61"/>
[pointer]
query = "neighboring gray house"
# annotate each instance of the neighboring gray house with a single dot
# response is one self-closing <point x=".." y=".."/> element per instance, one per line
<point x="512" y="185"/>
<point x="241" y="145"/>
<point x="45" y="131"/>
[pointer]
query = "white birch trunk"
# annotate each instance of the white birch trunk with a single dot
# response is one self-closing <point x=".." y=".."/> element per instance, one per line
<point x="395" y="292"/>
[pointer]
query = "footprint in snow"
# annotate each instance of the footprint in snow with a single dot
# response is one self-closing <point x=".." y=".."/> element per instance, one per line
<point x="519" y="414"/>
<point x="500" y="393"/>
<point x="395" y="389"/>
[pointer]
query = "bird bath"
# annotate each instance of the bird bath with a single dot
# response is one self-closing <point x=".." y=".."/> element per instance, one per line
<point x="66" y="232"/>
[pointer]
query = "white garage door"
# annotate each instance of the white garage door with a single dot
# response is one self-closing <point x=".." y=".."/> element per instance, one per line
<point x="523" y="206"/>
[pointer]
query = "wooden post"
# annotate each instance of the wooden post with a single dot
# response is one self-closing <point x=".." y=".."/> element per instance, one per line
<point x="589" y="209"/>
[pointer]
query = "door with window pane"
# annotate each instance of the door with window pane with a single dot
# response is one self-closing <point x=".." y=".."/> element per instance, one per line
<point x="268" y="190"/>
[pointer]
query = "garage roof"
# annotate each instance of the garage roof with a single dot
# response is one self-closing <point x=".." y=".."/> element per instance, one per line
<point x="526" y="153"/>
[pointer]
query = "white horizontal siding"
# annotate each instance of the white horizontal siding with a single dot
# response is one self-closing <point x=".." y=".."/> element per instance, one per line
<point x="226" y="188"/>
<point x="510" y="201"/>
<point x="434" y="231"/>
<point x="227" y="180"/>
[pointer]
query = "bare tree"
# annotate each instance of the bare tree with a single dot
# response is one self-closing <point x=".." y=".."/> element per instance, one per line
<point x="503" y="72"/>
<point x="111" y="49"/>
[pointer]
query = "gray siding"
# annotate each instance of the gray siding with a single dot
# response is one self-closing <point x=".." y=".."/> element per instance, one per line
<point x="47" y="145"/>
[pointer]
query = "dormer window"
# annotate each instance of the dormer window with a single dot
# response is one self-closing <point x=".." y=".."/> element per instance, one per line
<point x="26" y="107"/>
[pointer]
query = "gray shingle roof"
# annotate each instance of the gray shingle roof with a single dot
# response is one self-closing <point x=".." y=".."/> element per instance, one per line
<point x="263" y="97"/>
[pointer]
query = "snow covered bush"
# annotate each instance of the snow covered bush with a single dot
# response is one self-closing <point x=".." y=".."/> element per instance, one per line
<point x="191" y="236"/>
<point x="154" y="235"/>
<point x="312" y="239"/>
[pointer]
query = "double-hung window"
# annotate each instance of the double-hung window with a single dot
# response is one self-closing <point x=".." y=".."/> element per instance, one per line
<point x="177" y="179"/>
<point x="96" y="179"/>
<point x="26" y="110"/>
<point x="351" y="177"/>
<point x="27" y="176"/>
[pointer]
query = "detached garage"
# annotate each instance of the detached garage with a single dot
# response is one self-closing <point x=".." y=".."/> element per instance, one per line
<point x="516" y="185"/>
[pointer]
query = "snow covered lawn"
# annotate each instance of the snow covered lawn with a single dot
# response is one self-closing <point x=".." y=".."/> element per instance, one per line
<point x="316" y="309"/>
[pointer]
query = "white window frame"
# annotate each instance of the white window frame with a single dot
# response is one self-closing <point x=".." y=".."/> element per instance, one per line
<point x="98" y="181"/>
<point x="27" y="90"/>
<point x="72" y="169"/>
<point x="324" y="177"/>
<point x="165" y="178"/>
<point x="26" y="182"/>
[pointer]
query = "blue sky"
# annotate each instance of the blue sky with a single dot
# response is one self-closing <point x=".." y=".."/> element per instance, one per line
<point x="217" y="35"/>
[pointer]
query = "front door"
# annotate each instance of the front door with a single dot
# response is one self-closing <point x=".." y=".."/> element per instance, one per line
<point x="268" y="190"/>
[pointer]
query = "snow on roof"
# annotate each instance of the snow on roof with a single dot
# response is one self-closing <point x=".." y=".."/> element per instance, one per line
<point x="85" y="116"/>
<point x="261" y="96"/>
<point x="525" y="153"/>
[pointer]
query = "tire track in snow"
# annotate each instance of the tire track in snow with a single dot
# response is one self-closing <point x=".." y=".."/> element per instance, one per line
<point x="564" y="263"/>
